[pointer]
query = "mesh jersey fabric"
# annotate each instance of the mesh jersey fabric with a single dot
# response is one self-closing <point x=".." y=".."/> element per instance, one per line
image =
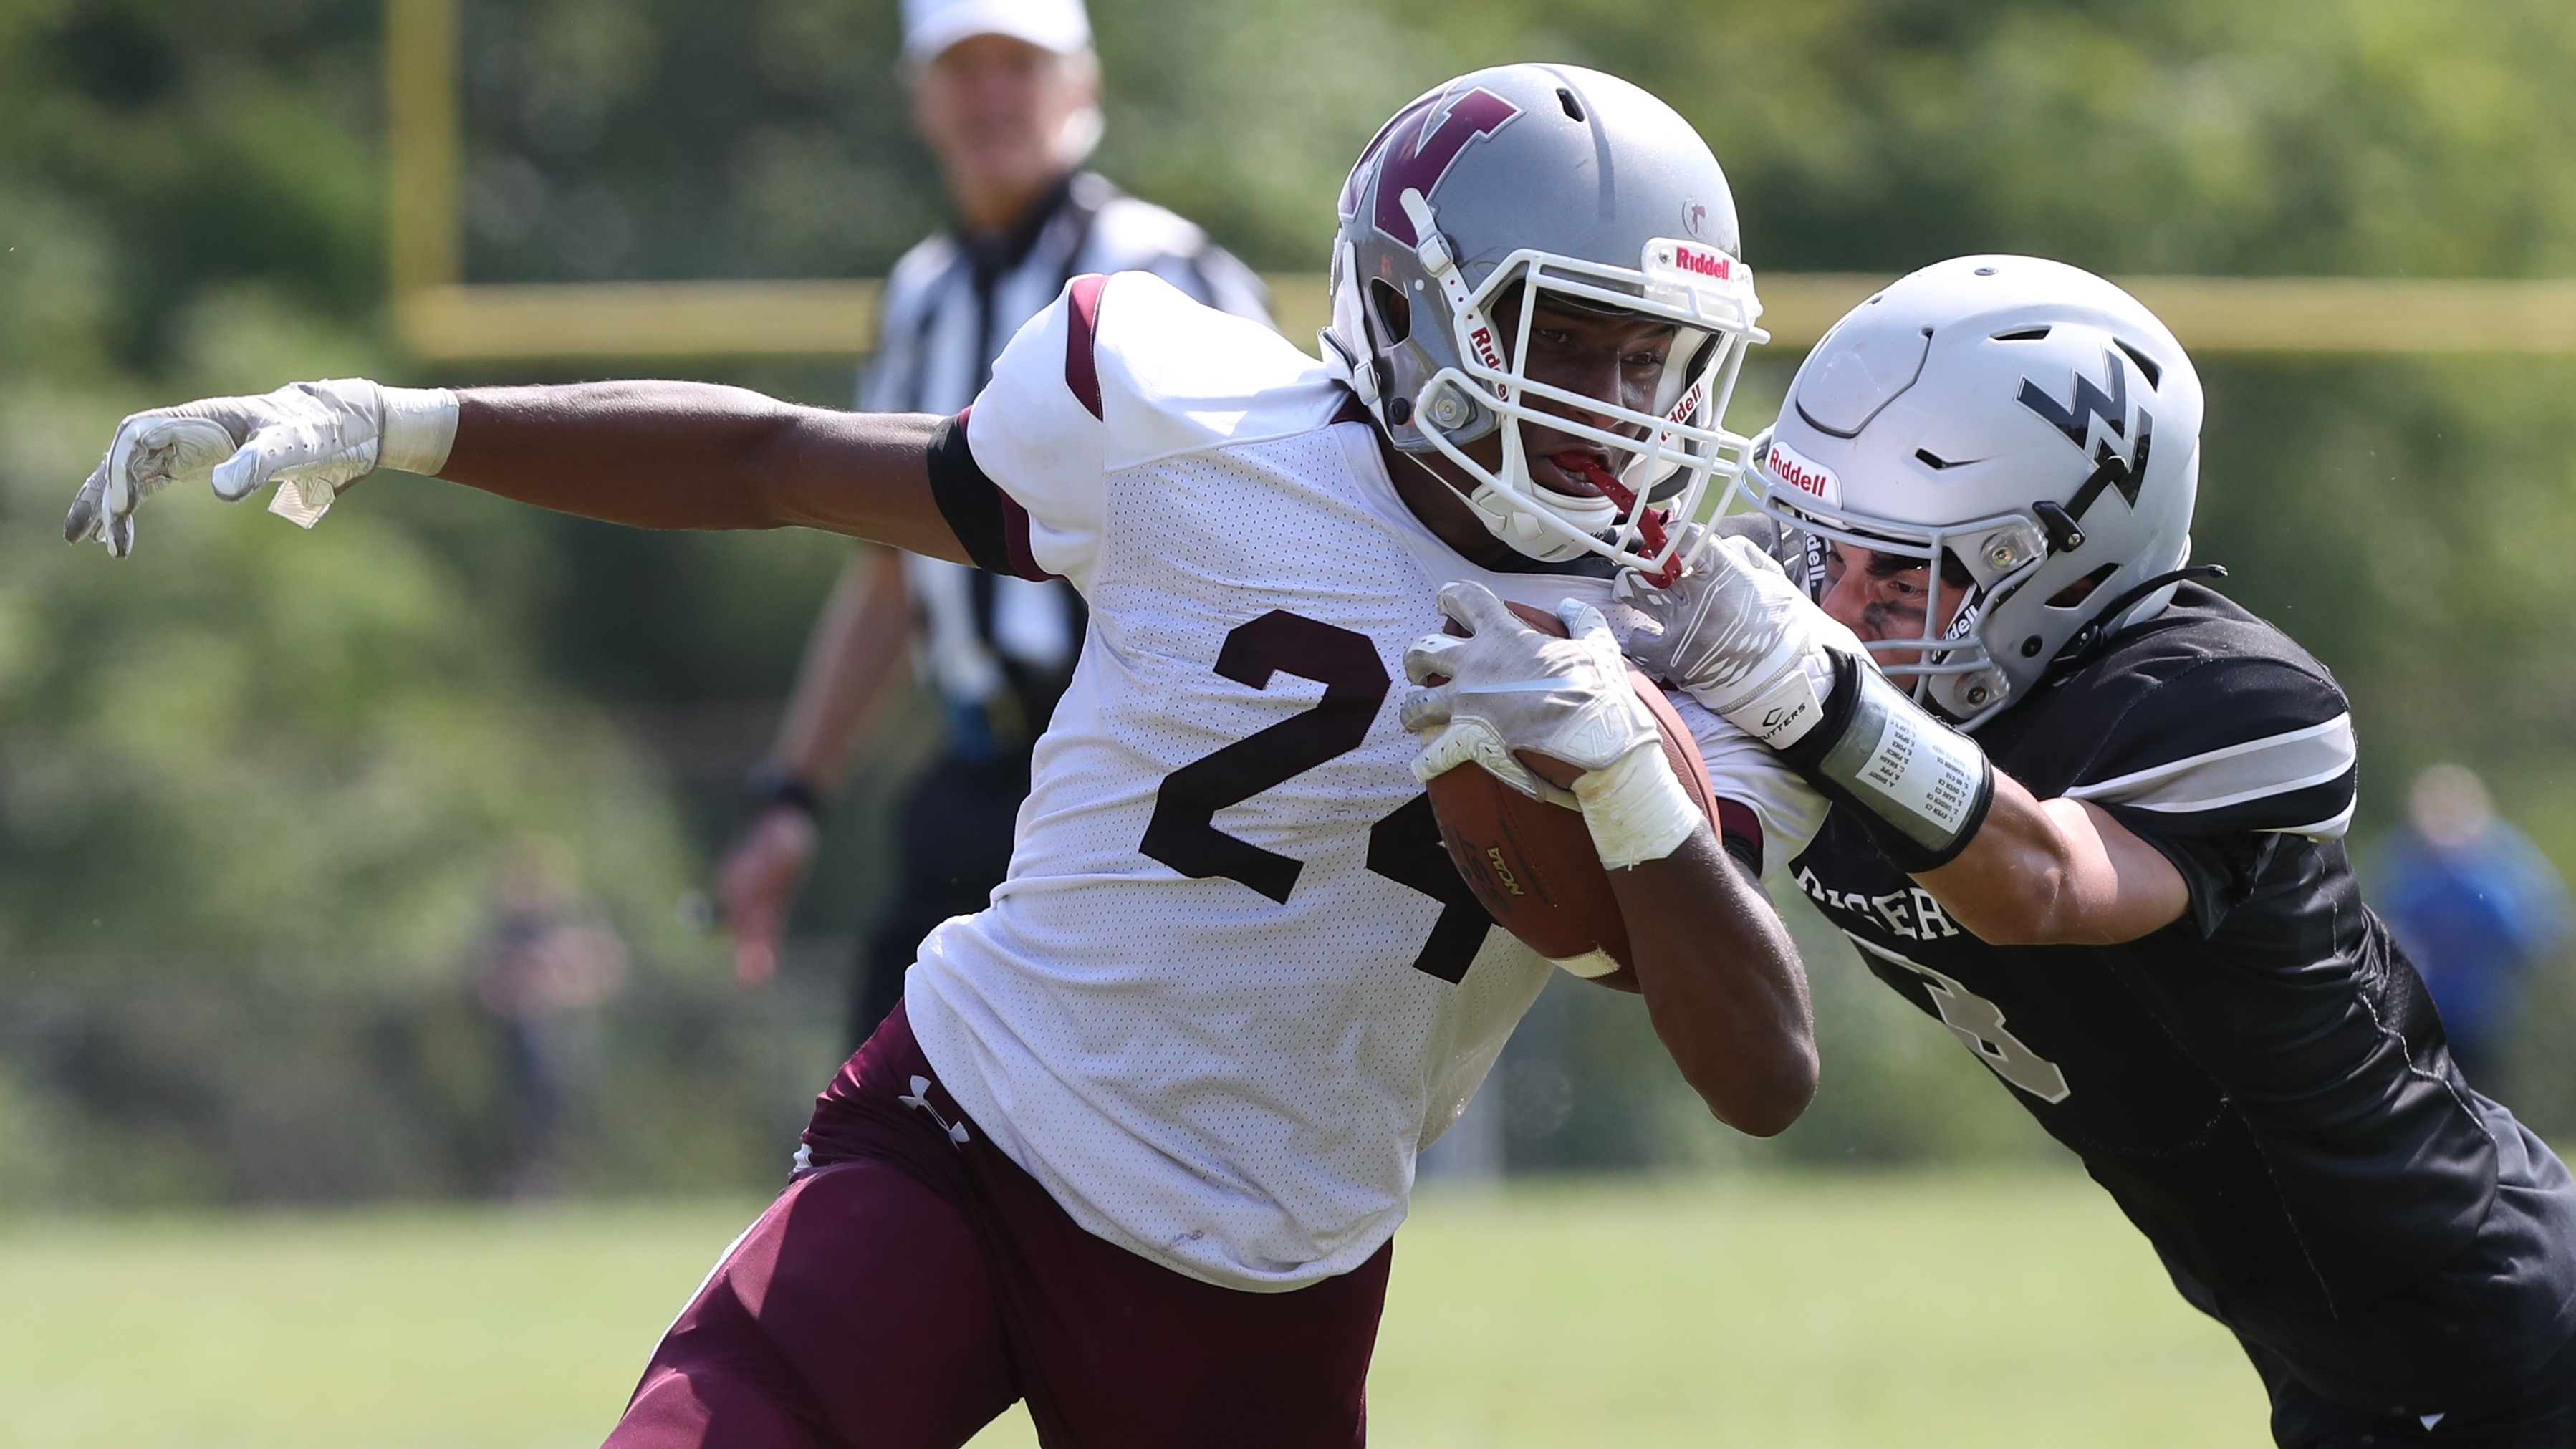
<point x="1206" y="1010"/>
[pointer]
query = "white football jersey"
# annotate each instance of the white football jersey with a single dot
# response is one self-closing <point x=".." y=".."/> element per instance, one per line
<point x="1233" y="984"/>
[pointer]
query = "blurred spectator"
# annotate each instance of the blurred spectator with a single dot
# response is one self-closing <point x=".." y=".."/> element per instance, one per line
<point x="2475" y="905"/>
<point x="1006" y="93"/>
<point x="549" y="967"/>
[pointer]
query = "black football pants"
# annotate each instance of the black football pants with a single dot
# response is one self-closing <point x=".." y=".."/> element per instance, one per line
<point x="953" y="845"/>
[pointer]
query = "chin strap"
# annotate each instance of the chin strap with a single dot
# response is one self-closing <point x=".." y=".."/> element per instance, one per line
<point x="1651" y="522"/>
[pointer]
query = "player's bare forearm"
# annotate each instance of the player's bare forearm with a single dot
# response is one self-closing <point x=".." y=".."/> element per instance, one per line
<point x="1723" y="984"/>
<point x="695" y="455"/>
<point x="2056" y="872"/>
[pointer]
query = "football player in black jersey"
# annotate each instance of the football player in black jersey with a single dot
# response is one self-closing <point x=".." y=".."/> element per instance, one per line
<point x="2089" y="814"/>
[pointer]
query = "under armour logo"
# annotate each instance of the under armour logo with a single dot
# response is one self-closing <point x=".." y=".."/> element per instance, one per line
<point x="2091" y="420"/>
<point x="921" y="1098"/>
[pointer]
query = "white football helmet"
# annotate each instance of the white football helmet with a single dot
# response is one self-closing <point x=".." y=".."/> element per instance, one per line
<point x="1554" y="180"/>
<point x="2025" y="427"/>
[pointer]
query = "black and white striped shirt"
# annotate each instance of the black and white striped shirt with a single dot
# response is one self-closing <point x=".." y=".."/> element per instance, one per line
<point x="950" y="306"/>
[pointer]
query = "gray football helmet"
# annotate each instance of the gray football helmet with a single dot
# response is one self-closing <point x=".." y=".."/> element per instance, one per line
<point x="2027" y="419"/>
<point x="1554" y="180"/>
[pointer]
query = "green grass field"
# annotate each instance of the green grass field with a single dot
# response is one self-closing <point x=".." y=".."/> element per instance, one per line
<point x="1914" y="1311"/>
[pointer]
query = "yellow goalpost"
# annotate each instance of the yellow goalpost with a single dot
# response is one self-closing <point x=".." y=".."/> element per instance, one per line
<point x="440" y="316"/>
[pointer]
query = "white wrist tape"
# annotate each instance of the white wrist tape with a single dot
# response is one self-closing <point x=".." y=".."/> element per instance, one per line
<point x="420" y="428"/>
<point x="1636" y="809"/>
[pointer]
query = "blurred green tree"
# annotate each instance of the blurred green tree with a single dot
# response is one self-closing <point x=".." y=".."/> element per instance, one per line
<point x="247" y="746"/>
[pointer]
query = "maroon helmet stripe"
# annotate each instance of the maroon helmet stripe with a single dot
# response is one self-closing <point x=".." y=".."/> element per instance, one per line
<point x="1082" y="329"/>
<point x="1736" y="821"/>
<point x="1417" y="160"/>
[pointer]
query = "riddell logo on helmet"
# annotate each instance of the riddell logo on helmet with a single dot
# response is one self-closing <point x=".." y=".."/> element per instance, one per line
<point x="1805" y="475"/>
<point x="1703" y="261"/>
<point x="1482" y="339"/>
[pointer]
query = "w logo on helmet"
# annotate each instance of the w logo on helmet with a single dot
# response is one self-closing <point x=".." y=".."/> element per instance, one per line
<point x="2076" y="419"/>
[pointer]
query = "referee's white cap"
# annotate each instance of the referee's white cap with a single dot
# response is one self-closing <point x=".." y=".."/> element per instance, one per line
<point x="931" y="26"/>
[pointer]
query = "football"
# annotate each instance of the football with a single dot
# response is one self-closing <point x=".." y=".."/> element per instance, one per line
<point x="1532" y="864"/>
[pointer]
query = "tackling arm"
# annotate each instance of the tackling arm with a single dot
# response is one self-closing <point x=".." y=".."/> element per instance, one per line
<point x="2051" y="872"/>
<point x="2013" y="869"/>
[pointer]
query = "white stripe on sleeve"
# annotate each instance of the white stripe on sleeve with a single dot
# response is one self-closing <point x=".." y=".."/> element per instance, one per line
<point x="2273" y="765"/>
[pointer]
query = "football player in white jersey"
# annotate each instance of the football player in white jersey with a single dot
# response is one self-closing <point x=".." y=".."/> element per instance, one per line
<point x="1136" y="1144"/>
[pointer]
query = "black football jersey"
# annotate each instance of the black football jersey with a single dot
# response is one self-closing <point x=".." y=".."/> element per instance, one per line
<point x="2263" y="1084"/>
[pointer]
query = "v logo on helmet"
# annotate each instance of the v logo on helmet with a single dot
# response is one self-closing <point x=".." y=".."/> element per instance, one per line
<point x="2076" y="420"/>
<point x="1422" y="144"/>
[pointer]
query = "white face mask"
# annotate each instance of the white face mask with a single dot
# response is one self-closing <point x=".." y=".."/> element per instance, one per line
<point x="1666" y="456"/>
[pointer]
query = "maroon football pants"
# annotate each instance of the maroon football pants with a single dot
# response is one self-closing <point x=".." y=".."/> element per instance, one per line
<point x="914" y="1282"/>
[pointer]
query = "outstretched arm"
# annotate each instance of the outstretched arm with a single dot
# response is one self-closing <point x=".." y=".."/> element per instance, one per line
<point x="696" y="455"/>
<point x="649" y="454"/>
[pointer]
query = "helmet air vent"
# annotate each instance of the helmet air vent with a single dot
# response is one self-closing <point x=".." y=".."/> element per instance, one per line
<point x="1573" y="108"/>
<point x="2145" y="363"/>
<point x="1936" y="462"/>
<point x="2022" y="334"/>
<point x="2082" y="589"/>
<point x="1394" y="313"/>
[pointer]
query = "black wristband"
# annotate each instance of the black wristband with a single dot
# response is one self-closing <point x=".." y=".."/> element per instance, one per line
<point x="1854" y="773"/>
<point x="1808" y="751"/>
<point x="773" y="783"/>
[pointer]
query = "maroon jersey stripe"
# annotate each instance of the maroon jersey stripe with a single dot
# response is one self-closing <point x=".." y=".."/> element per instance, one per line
<point x="1015" y="537"/>
<point x="1738" y="825"/>
<point x="1082" y="318"/>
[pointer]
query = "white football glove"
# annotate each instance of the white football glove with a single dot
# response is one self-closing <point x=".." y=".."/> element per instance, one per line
<point x="1512" y="688"/>
<point x="313" y="439"/>
<point x="1750" y="645"/>
<point x="1740" y="638"/>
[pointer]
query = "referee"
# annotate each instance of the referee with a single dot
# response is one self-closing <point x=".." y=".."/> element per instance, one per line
<point x="2120" y="880"/>
<point x="1006" y="93"/>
